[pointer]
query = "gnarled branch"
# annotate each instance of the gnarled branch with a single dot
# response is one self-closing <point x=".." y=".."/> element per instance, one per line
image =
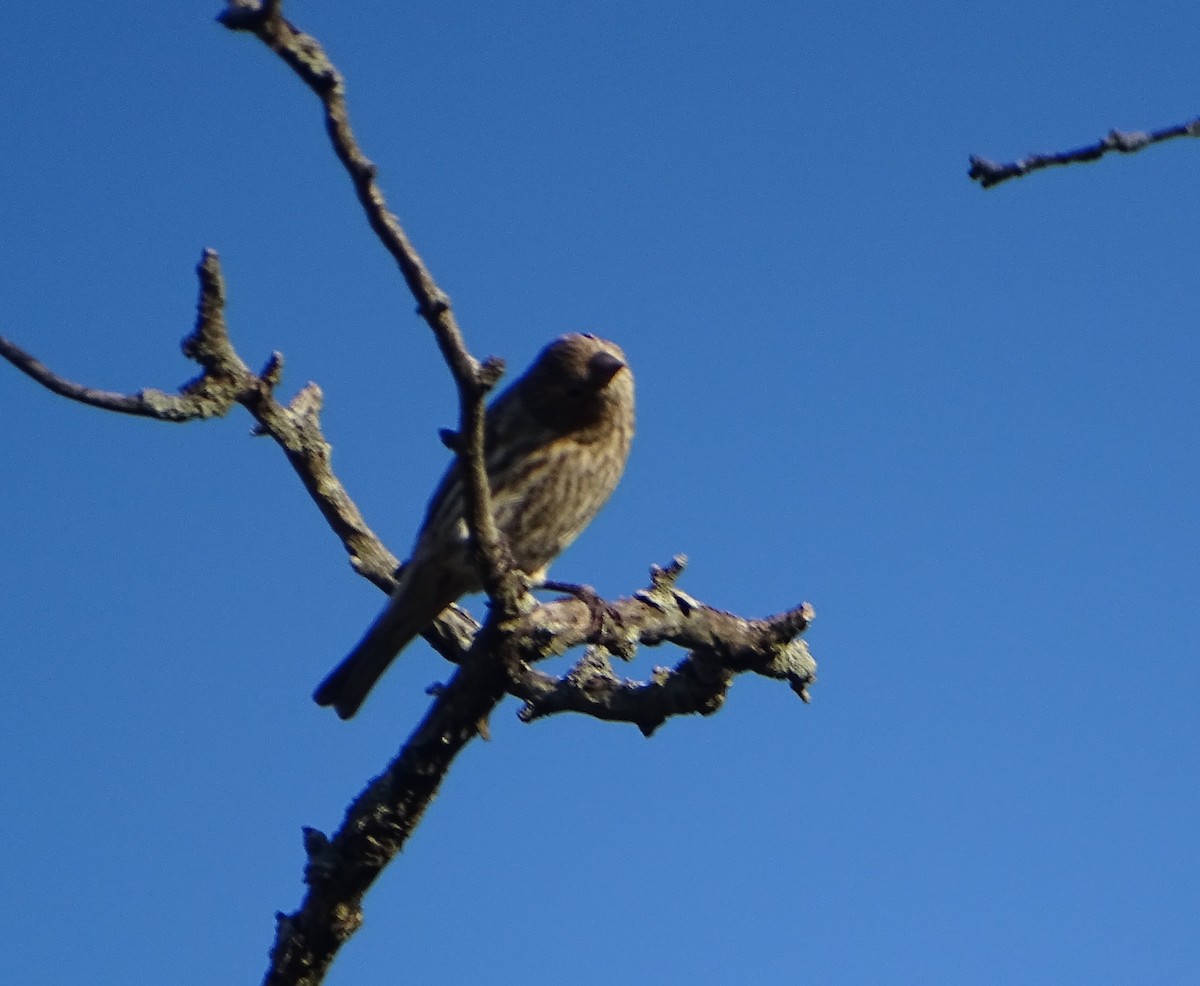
<point x="721" y="645"/>
<point x="226" y="380"/>
<point x="342" y="867"/>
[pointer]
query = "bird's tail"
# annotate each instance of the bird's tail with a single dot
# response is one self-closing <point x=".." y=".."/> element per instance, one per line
<point x="347" y="685"/>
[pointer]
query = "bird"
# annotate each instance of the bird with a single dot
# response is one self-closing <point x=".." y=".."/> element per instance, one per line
<point x="555" y="446"/>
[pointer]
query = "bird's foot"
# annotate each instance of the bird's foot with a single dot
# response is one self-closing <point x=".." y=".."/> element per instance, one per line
<point x="603" y="614"/>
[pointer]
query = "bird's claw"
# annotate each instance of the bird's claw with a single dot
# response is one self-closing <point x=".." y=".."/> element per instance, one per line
<point x="602" y="613"/>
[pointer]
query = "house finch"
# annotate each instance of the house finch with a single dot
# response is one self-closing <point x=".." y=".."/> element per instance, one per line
<point x="555" y="446"/>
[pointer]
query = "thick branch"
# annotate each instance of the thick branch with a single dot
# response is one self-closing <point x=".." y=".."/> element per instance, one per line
<point x="378" y="823"/>
<point x="341" y="869"/>
<point x="989" y="173"/>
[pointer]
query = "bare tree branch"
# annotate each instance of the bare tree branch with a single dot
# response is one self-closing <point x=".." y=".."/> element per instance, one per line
<point x="225" y="381"/>
<point x="306" y="57"/>
<point x="145" y="403"/>
<point x="989" y="173"/>
<point x="722" y="645"/>
<point x="342" y="868"/>
<point x="377" y="824"/>
<point x="296" y="428"/>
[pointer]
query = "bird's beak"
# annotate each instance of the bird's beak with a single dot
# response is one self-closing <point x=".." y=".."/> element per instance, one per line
<point x="603" y="367"/>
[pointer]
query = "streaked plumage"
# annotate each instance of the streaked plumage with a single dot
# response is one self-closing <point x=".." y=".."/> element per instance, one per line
<point x="555" y="447"/>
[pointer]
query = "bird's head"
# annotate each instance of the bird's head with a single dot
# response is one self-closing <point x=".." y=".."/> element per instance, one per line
<point x="579" y="381"/>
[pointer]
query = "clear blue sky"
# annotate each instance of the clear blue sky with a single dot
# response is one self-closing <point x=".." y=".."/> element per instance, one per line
<point x="962" y="424"/>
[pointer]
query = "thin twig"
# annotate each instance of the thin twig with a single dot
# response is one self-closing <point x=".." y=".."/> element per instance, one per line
<point x="307" y="58"/>
<point x="145" y="403"/>
<point x="989" y="173"/>
<point x="226" y="381"/>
